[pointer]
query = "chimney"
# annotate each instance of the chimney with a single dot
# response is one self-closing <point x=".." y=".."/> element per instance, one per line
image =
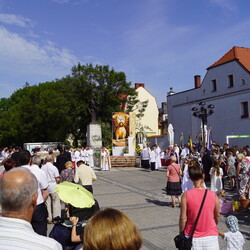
<point x="197" y="81"/>
<point x="164" y="107"/>
<point x="137" y="85"/>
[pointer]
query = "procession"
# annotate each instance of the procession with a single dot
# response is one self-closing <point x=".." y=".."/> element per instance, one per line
<point x="61" y="184"/>
<point x="124" y="125"/>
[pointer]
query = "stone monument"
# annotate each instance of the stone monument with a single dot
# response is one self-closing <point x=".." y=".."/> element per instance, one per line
<point x="94" y="131"/>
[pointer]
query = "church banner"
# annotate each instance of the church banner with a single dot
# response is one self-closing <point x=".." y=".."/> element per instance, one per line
<point x="120" y="129"/>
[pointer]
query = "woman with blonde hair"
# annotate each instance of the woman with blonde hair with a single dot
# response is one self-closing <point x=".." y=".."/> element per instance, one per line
<point x="111" y="229"/>
<point x="68" y="174"/>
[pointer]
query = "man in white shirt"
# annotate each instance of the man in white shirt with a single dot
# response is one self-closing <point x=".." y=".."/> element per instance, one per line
<point x="18" y="196"/>
<point x="184" y="152"/>
<point x="145" y="156"/>
<point x="39" y="218"/>
<point x="53" y="177"/>
<point x="85" y="175"/>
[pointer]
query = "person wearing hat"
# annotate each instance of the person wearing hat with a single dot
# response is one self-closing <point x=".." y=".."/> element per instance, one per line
<point x="233" y="237"/>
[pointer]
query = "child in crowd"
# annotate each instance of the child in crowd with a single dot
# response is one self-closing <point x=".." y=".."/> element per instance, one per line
<point x="225" y="206"/>
<point x="233" y="237"/>
<point x="216" y="174"/>
<point x="186" y="182"/>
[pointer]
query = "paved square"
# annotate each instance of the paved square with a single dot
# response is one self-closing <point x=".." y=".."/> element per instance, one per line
<point x="139" y="193"/>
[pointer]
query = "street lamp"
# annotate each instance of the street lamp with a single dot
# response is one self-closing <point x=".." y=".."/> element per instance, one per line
<point x="202" y="113"/>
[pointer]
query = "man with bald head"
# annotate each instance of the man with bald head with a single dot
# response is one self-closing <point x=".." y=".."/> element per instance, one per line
<point x="18" y="196"/>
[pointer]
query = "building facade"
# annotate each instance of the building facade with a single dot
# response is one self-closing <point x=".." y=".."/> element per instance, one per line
<point x="151" y="113"/>
<point x="226" y="85"/>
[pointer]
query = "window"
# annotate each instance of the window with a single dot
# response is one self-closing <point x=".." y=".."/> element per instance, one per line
<point x="230" y="81"/>
<point x="244" y="110"/>
<point x="214" y="86"/>
<point x="243" y="82"/>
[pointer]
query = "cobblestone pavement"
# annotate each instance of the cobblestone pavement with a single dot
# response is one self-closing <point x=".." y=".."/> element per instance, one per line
<point x="141" y="195"/>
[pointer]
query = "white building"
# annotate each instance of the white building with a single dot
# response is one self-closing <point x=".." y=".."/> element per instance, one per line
<point x="150" y="116"/>
<point x="226" y="85"/>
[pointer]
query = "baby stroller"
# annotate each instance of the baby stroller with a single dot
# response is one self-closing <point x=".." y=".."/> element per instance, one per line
<point x="61" y="231"/>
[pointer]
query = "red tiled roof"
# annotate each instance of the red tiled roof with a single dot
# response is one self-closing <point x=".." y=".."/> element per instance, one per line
<point x="240" y="54"/>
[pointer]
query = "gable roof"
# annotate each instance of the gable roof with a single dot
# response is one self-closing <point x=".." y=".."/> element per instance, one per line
<point x="241" y="54"/>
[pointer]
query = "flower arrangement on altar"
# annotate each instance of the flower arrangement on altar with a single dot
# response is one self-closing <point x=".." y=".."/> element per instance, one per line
<point x="138" y="149"/>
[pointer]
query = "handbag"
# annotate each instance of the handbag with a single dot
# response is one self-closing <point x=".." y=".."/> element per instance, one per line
<point x="183" y="243"/>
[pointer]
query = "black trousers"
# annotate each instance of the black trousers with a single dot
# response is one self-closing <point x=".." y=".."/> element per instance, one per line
<point x="89" y="188"/>
<point x="152" y="166"/>
<point x="39" y="219"/>
<point x="145" y="164"/>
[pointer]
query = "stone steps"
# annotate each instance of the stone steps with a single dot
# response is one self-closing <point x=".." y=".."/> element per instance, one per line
<point x="123" y="161"/>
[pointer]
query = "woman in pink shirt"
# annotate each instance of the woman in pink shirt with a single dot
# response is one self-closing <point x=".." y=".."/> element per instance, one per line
<point x="206" y="233"/>
<point x="173" y="184"/>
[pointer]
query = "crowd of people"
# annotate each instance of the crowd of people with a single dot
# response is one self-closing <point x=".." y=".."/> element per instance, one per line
<point x="189" y="173"/>
<point x="46" y="207"/>
<point x="195" y="180"/>
<point x="218" y="164"/>
<point x="18" y="198"/>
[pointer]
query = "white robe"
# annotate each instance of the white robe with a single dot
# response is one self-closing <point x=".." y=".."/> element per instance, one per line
<point x="186" y="184"/>
<point x="91" y="158"/>
<point x="77" y="156"/>
<point x="216" y="181"/>
<point x="105" y="161"/>
<point x="158" y="158"/>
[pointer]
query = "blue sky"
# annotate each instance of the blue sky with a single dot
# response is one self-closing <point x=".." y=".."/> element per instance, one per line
<point x="162" y="43"/>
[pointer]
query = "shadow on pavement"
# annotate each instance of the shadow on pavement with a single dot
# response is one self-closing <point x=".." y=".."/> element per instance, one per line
<point x="157" y="202"/>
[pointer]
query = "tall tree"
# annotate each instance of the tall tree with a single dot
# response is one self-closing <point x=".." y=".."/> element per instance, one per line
<point x="53" y="110"/>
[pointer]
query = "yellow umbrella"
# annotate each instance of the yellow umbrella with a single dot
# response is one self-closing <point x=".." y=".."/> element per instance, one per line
<point x="75" y="194"/>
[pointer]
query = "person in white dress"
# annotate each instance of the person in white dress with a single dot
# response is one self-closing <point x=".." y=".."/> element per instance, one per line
<point x="158" y="157"/>
<point x="82" y="154"/>
<point x="86" y="155"/>
<point x="91" y="157"/>
<point x="216" y="174"/>
<point x="105" y="159"/>
<point x="177" y="152"/>
<point x="77" y="156"/>
<point x="186" y="184"/>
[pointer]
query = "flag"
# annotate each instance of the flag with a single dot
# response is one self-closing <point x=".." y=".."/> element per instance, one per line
<point x="197" y="142"/>
<point x="190" y="141"/>
<point x="182" y="140"/>
<point x="209" y="139"/>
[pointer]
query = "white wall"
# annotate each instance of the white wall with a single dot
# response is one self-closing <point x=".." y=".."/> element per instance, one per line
<point x="151" y="113"/>
<point x="226" y="119"/>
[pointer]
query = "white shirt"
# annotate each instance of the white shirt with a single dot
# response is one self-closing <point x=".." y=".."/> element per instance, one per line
<point x="177" y="150"/>
<point x="145" y="154"/>
<point x="184" y="153"/>
<point x="41" y="178"/>
<point x="19" y="234"/>
<point x="235" y="241"/>
<point x="52" y="173"/>
<point x="152" y="156"/>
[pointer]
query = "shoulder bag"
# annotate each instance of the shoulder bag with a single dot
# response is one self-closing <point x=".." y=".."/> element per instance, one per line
<point x="183" y="243"/>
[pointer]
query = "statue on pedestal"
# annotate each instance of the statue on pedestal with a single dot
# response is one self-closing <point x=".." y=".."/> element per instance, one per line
<point x="92" y="110"/>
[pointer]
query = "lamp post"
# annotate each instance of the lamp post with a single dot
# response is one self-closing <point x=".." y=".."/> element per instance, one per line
<point x="202" y="113"/>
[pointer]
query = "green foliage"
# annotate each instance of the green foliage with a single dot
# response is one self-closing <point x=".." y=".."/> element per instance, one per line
<point x="54" y="110"/>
